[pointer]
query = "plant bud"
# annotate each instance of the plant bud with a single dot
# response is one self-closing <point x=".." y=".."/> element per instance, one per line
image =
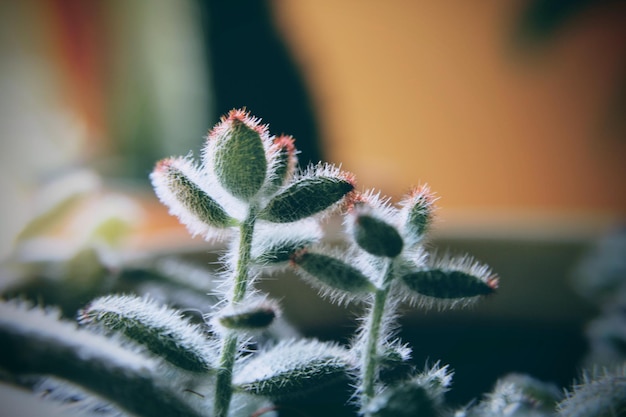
<point x="394" y="363"/>
<point x="236" y="150"/>
<point x="421" y="396"/>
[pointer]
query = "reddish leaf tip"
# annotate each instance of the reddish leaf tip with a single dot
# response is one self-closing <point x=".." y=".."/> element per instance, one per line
<point x="423" y="193"/>
<point x="163" y="165"/>
<point x="287" y="142"/>
<point x="297" y="256"/>
<point x="239" y="116"/>
<point x="493" y="282"/>
<point x="354" y="199"/>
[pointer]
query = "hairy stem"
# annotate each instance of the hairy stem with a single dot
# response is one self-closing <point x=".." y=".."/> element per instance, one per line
<point x="372" y="339"/>
<point x="228" y="352"/>
<point x="246" y="231"/>
<point x="223" y="384"/>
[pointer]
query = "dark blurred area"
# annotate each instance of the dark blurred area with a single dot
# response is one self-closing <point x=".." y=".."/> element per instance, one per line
<point x="252" y="68"/>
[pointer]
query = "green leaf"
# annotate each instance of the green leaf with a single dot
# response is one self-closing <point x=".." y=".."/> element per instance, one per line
<point x="377" y="236"/>
<point x="440" y="283"/>
<point x="306" y="197"/>
<point x="292" y="368"/>
<point x="36" y="342"/>
<point x="281" y="251"/>
<point x="418" y="209"/>
<point x="174" y="184"/>
<point x="452" y="279"/>
<point x="249" y="315"/>
<point x="239" y="157"/>
<point x="283" y="157"/>
<point x="162" y="330"/>
<point x="334" y="273"/>
<point x="251" y="320"/>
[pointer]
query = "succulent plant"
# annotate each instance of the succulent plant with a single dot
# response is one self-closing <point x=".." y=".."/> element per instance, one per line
<point x="129" y="353"/>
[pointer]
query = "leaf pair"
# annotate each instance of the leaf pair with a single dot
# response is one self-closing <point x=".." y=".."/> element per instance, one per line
<point x="289" y="368"/>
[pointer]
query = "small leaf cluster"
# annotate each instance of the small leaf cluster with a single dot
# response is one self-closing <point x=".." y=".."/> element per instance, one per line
<point x="387" y="246"/>
<point x="385" y="263"/>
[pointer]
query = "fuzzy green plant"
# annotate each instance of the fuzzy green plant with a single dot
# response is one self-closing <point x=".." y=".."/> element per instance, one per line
<point x="133" y="354"/>
<point x="246" y="177"/>
<point x="384" y="265"/>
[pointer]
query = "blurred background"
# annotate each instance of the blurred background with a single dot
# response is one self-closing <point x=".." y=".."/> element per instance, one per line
<point x="513" y="112"/>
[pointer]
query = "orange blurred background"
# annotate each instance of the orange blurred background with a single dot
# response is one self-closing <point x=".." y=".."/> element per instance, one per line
<point x="436" y="92"/>
<point x="511" y="137"/>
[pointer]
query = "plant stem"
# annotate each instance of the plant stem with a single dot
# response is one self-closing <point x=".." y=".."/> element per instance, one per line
<point x="372" y="338"/>
<point x="223" y="383"/>
<point x="228" y="352"/>
<point x="246" y="231"/>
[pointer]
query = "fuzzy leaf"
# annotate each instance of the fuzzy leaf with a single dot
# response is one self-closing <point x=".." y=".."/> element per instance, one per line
<point x="292" y="368"/>
<point x="281" y="251"/>
<point x="441" y="283"/>
<point x="305" y="198"/>
<point x="333" y="272"/>
<point x="377" y="236"/>
<point x="239" y="155"/>
<point x="418" y="209"/>
<point x="175" y="186"/>
<point x="250" y="315"/>
<point x="284" y="160"/>
<point x="35" y="341"/>
<point x="162" y="330"/>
